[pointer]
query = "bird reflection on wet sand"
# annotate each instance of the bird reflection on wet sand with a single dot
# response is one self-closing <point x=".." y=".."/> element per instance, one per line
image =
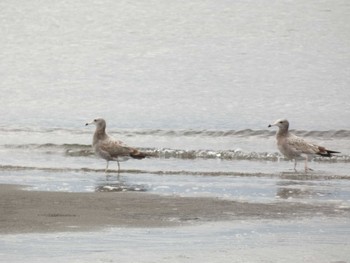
<point x="119" y="186"/>
<point x="303" y="189"/>
<point x="288" y="193"/>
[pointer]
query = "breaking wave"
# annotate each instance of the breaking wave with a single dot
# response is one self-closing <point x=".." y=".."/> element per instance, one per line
<point x="80" y="150"/>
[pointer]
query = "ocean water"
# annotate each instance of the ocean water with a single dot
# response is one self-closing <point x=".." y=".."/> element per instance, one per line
<point x="175" y="65"/>
<point x="197" y="80"/>
<point x="194" y="83"/>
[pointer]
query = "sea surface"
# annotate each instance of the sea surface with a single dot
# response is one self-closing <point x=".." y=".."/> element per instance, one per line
<point x="194" y="84"/>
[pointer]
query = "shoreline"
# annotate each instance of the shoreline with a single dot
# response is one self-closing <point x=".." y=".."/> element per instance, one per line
<point x="23" y="211"/>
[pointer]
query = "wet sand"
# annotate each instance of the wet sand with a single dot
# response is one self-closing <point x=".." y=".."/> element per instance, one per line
<point x="23" y="211"/>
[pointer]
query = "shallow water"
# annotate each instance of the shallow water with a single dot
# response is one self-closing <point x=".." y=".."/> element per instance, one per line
<point x="195" y="84"/>
<point x="241" y="165"/>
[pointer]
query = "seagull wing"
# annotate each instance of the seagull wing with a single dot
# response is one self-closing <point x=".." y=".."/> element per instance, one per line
<point x="116" y="148"/>
<point x="301" y="146"/>
<point x="112" y="148"/>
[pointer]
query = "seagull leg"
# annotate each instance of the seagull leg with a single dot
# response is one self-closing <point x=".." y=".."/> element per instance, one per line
<point x="107" y="167"/>
<point x="307" y="168"/>
<point x="305" y="164"/>
<point x="118" y="168"/>
<point x="295" y="165"/>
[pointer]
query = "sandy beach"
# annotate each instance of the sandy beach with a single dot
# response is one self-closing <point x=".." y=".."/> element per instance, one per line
<point x="33" y="211"/>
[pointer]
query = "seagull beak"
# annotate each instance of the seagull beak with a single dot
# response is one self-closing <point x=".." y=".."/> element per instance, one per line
<point x="89" y="123"/>
<point x="271" y="125"/>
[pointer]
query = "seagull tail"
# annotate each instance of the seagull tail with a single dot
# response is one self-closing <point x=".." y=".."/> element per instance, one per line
<point x="325" y="153"/>
<point x="138" y="155"/>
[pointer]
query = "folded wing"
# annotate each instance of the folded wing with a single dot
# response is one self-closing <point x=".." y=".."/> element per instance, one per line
<point x="300" y="145"/>
<point x="117" y="148"/>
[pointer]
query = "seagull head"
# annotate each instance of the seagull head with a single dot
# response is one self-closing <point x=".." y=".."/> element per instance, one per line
<point x="283" y="124"/>
<point x="99" y="123"/>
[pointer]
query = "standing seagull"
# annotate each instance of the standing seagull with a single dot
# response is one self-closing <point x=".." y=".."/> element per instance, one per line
<point x="294" y="147"/>
<point x="110" y="149"/>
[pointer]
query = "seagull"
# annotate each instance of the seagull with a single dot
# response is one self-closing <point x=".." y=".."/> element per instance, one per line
<point x="110" y="149"/>
<point x="294" y="147"/>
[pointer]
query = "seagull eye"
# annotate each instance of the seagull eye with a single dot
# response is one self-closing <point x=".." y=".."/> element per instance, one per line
<point x="95" y="120"/>
<point x="281" y="121"/>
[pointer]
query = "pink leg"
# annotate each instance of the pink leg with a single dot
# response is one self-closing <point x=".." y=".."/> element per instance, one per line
<point x="107" y="167"/>
<point x="307" y="168"/>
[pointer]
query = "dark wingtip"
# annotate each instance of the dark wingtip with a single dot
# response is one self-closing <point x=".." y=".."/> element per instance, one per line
<point x="332" y="151"/>
<point x="138" y="155"/>
<point x="327" y="153"/>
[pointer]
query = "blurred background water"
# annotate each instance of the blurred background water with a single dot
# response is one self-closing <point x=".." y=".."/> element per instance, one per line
<point x="175" y="64"/>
